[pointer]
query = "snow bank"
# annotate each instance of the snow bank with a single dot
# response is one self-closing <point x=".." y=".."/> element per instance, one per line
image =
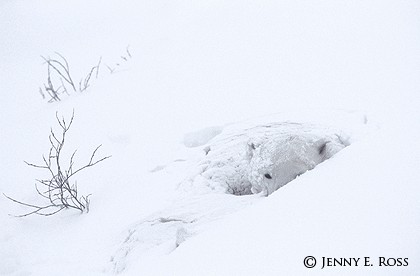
<point x="217" y="171"/>
<point x="262" y="158"/>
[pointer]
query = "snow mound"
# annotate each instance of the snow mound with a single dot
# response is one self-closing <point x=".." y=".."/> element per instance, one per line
<point x="201" y="137"/>
<point x="164" y="231"/>
<point x="231" y="163"/>
<point x="246" y="159"/>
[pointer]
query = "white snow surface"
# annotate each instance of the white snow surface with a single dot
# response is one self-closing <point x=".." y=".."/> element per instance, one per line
<point x="238" y="160"/>
<point x="201" y="71"/>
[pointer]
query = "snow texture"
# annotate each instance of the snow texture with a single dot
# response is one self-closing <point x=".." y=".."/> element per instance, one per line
<point x="341" y="72"/>
<point x="164" y="231"/>
<point x="225" y="172"/>
<point x="262" y="158"/>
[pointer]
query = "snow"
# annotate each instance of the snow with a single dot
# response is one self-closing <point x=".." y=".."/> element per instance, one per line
<point x="352" y="216"/>
<point x="198" y="69"/>
<point x="201" y="137"/>
<point x="237" y="159"/>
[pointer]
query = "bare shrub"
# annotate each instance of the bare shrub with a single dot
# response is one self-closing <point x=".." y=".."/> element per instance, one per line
<point x="115" y="68"/>
<point x="58" y="188"/>
<point x="60" y="80"/>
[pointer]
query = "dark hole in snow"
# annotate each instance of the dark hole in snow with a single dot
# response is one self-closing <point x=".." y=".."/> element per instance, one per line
<point x="321" y="149"/>
<point x="268" y="176"/>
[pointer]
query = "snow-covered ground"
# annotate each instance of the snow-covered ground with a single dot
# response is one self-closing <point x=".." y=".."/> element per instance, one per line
<point x="198" y="68"/>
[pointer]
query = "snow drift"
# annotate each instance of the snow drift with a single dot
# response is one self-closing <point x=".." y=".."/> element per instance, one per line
<point x="262" y="158"/>
<point x="229" y="173"/>
<point x="205" y="63"/>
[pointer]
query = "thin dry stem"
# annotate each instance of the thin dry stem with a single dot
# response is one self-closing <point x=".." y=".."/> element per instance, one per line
<point x="58" y="189"/>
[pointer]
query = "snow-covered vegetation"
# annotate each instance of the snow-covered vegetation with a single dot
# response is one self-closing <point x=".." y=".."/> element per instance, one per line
<point x="197" y="102"/>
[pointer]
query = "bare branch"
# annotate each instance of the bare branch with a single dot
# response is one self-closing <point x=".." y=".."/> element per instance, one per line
<point x="97" y="67"/>
<point x="62" y="70"/>
<point x="91" y="163"/>
<point x="111" y="70"/>
<point x="36" y="166"/>
<point x="58" y="189"/>
<point x="58" y="75"/>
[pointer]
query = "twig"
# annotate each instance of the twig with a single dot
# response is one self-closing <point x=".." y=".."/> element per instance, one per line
<point x="58" y="189"/>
